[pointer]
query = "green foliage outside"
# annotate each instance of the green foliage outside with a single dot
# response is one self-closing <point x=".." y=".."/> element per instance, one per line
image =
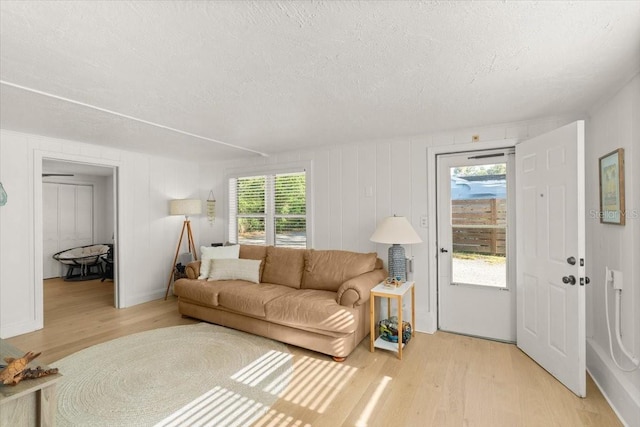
<point x="495" y="169"/>
<point x="290" y="199"/>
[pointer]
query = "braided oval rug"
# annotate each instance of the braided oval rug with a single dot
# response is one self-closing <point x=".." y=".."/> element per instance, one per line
<point x="191" y="375"/>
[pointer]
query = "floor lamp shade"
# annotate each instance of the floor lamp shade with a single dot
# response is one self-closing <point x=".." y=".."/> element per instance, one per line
<point x="396" y="231"/>
<point x="185" y="207"/>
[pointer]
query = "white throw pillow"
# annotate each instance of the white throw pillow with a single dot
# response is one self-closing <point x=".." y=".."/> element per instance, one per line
<point x="235" y="269"/>
<point x="207" y="253"/>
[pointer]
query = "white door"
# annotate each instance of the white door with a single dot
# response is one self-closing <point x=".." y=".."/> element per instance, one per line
<point x="476" y="292"/>
<point x="67" y="213"/>
<point x="550" y="253"/>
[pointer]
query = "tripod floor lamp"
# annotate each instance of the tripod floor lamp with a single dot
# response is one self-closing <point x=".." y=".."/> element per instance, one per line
<point x="184" y="207"/>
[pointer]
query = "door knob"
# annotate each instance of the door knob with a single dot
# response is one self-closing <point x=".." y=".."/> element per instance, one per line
<point x="571" y="260"/>
<point x="569" y="279"/>
<point x="443" y="250"/>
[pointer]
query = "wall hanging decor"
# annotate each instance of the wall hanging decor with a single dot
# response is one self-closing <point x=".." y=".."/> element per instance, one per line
<point x="612" y="187"/>
<point x="211" y="208"/>
<point x="3" y="196"/>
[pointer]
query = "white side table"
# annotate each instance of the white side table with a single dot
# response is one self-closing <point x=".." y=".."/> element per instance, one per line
<point x="398" y="293"/>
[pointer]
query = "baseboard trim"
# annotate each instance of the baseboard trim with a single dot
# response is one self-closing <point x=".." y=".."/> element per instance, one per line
<point x="622" y="395"/>
<point x="142" y="298"/>
<point x="19" y="328"/>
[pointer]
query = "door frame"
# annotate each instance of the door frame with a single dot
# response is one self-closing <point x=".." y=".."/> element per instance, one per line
<point x="432" y="231"/>
<point x="510" y="254"/>
<point x="38" y="236"/>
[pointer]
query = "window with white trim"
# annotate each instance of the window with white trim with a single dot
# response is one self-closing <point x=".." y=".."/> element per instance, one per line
<point x="269" y="209"/>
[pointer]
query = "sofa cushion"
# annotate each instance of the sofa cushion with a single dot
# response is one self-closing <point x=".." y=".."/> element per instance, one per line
<point x="312" y="310"/>
<point x="205" y="293"/>
<point x="327" y="270"/>
<point x="251" y="299"/>
<point x="207" y="253"/>
<point x="254" y="252"/>
<point x="235" y="269"/>
<point x="283" y="266"/>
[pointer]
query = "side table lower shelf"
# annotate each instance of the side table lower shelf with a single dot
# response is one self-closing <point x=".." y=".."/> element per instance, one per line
<point x="387" y="345"/>
<point x="391" y="293"/>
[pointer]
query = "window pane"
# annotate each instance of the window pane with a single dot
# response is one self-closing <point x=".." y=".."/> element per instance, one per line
<point x="478" y="224"/>
<point x="251" y="195"/>
<point x="251" y="231"/>
<point x="291" y="232"/>
<point x="290" y="194"/>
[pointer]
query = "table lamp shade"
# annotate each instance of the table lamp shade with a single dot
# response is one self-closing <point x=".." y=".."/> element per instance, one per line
<point x="396" y="230"/>
<point x="185" y="207"/>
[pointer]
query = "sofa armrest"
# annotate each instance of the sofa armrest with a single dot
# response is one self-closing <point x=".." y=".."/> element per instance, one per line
<point x="193" y="269"/>
<point x="356" y="291"/>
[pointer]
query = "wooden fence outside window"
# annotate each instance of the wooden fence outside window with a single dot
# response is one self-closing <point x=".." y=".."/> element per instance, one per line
<point x="479" y="226"/>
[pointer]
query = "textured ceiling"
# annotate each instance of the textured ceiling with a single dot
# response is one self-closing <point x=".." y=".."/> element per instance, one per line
<point x="180" y="78"/>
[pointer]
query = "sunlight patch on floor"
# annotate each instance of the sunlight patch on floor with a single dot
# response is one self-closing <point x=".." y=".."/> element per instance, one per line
<point x="256" y="372"/>
<point x="223" y="407"/>
<point x="373" y="402"/>
<point x="317" y="382"/>
<point x="218" y="406"/>
<point x="279" y="419"/>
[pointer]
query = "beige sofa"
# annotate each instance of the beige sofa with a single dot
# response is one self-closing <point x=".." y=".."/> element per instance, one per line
<point x="309" y="298"/>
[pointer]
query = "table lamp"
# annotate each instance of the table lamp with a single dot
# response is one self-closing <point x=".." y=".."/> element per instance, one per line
<point x="396" y="231"/>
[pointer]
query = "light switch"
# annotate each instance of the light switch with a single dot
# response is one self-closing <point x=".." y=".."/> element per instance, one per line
<point x="368" y="191"/>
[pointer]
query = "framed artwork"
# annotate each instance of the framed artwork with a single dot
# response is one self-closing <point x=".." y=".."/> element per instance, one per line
<point x="612" y="187"/>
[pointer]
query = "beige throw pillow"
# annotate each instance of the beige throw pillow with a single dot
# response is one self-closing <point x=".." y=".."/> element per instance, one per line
<point x="207" y="253"/>
<point x="235" y="269"/>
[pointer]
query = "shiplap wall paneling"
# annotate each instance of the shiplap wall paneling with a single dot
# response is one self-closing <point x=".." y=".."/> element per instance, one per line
<point x="383" y="172"/>
<point x="401" y="179"/>
<point x="17" y="297"/>
<point x="320" y="194"/>
<point x="350" y="199"/>
<point x="366" y="192"/>
<point x="420" y="252"/>
<point x="335" y="200"/>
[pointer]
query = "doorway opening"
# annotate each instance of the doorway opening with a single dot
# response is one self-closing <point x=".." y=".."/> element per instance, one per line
<point x="476" y="287"/>
<point x="79" y="209"/>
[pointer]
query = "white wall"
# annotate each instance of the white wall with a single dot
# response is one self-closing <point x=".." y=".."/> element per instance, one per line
<point x="611" y="125"/>
<point x="148" y="236"/>
<point x="396" y="170"/>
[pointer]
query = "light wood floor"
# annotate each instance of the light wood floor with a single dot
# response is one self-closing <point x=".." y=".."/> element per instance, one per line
<point x="443" y="379"/>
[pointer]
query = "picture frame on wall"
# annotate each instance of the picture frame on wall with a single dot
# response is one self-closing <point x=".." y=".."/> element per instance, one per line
<point x="612" y="210"/>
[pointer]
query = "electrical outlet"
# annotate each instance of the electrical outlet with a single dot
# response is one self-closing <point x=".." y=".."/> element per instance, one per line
<point x="424" y="221"/>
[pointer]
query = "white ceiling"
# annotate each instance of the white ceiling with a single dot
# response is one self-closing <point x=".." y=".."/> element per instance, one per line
<point x="177" y="78"/>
